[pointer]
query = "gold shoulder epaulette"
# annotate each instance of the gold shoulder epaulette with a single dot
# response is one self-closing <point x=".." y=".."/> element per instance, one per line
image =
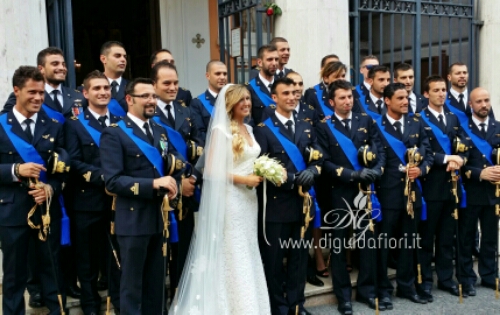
<point x="184" y="89"/>
<point x="77" y="91"/>
<point x="74" y="118"/>
<point x="311" y="88"/>
<point x="417" y="114"/>
<point x="261" y="125"/>
<point x="113" y="125"/>
<point x="323" y="120"/>
<point x="55" y="120"/>
<point x="364" y="114"/>
<point x="311" y="107"/>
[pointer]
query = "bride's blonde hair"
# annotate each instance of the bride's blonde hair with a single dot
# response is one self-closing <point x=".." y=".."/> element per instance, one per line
<point x="234" y="95"/>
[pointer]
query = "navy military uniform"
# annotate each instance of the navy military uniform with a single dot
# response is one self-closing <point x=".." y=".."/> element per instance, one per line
<point x="303" y="112"/>
<point x="255" y="73"/>
<point x="73" y="102"/>
<point x="440" y="201"/>
<point x="200" y="114"/>
<point x="481" y="201"/>
<point x="456" y="103"/>
<point x="189" y="132"/>
<point x="363" y="89"/>
<point x="258" y="105"/>
<point x="390" y="191"/>
<point x="91" y="206"/>
<point x="285" y="220"/>
<point x="422" y="102"/>
<point x="311" y="97"/>
<point x="129" y="174"/>
<point x="335" y="188"/>
<point x="184" y="95"/>
<point x="15" y="203"/>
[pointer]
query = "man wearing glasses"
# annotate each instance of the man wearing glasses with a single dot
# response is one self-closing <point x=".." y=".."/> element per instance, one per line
<point x="367" y="63"/>
<point x="131" y="157"/>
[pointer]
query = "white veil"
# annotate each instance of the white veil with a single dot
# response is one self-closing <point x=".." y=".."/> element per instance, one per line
<point x="201" y="288"/>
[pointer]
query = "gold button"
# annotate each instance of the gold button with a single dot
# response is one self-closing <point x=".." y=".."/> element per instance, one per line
<point x="275" y="197"/>
<point x="10" y="152"/>
<point x="1" y="200"/>
<point x="138" y="155"/>
<point x="402" y="180"/>
<point x="91" y="143"/>
<point x="83" y="191"/>
<point x="132" y="209"/>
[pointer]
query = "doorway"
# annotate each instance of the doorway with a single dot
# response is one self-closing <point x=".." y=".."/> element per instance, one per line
<point x="135" y="23"/>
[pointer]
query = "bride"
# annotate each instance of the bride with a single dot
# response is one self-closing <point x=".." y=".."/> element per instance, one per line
<point x="223" y="272"/>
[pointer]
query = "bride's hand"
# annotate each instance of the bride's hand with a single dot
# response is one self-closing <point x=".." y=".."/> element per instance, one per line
<point x="285" y="175"/>
<point x="253" y="180"/>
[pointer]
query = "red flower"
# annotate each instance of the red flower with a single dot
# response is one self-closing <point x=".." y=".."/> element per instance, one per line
<point x="270" y="11"/>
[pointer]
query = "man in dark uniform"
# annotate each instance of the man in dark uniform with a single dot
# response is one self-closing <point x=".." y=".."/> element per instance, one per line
<point x="27" y="138"/>
<point x="442" y="128"/>
<point x="480" y="174"/>
<point x="373" y="101"/>
<point x="302" y="111"/>
<point x="178" y="122"/>
<point x="164" y="54"/>
<point x="91" y="204"/>
<point x="403" y="73"/>
<point x="340" y="138"/>
<point x="398" y="133"/>
<point x="133" y="170"/>
<point x="58" y="98"/>
<point x="283" y="48"/>
<point x="114" y="60"/>
<point x="285" y="139"/>
<point x="203" y="105"/>
<point x="60" y="103"/>
<point x="364" y="87"/>
<point x="260" y="86"/>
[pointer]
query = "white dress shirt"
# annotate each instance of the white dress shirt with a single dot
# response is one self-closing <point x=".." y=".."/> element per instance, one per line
<point x="456" y="95"/>
<point x="97" y="116"/>
<point x="49" y="89"/>
<point x="266" y="83"/>
<point x="21" y="119"/>
<point x="139" y="122"/>
<point x="401" y="120"/>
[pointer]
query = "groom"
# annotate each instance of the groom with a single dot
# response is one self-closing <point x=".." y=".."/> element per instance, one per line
<point x="286" y="139"/>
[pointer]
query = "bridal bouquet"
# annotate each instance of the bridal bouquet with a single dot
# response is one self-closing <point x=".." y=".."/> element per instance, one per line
<point x="270" y="169"/>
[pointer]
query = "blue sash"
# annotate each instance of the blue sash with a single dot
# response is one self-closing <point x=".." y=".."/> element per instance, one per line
<point x="362" y="100"/>
<point x="360" y="91"/>
<point x="399" y="149"/>
<point x="206" y="103"/>
<point x="352" y="155"/>
<point x="174" y="137"/>
<point x="26" y="150"/>
<point x="445" y="144"/>
<point x="151" y="153"/>
<point x="29" y="154"/>
<point x="94" y="133"/>
<point x="53" y="114"/>
<point x="264" y="98"/>
<point x="319" y="93"/>
<point x="115" y="108"/>
<point x="298" y="161"/>
<point x="482" y="145"/>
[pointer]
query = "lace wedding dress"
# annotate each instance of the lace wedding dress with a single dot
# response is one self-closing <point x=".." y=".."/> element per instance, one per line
<point x="242" y="265"/>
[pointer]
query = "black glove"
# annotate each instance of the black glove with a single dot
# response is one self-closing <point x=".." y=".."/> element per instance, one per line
<point x="305" y="178"/>
<point x="365" y="176"/>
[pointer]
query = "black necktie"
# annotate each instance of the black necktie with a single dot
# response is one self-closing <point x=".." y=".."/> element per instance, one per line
<point x="483" y="130"/>
<point x="280" y="74"/>
<point x="148" y="133"/>
<point x="441" y="122"/>
<point x="379" y="106"/>
<point x="56" y="101"/>
<point x="397" y="125"/>
<point x="170" y="117"/>
<point x="289" y="126"/>
<point x="410" y="109"/>
<point x="346" y="125"/>
<point x="461" y="101"/>
<point x="102" y="121"/>
<point x="114" y="84"/>
<point x="270" y="86"/>
<point x="27" y="131"/>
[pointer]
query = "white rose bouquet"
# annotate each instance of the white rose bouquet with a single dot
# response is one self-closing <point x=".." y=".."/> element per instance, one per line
<point x="270" y="169"/>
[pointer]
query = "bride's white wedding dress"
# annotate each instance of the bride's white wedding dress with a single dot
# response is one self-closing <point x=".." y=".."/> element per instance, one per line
<point x="243" y="272"/>
<point x="224" y="274"/>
